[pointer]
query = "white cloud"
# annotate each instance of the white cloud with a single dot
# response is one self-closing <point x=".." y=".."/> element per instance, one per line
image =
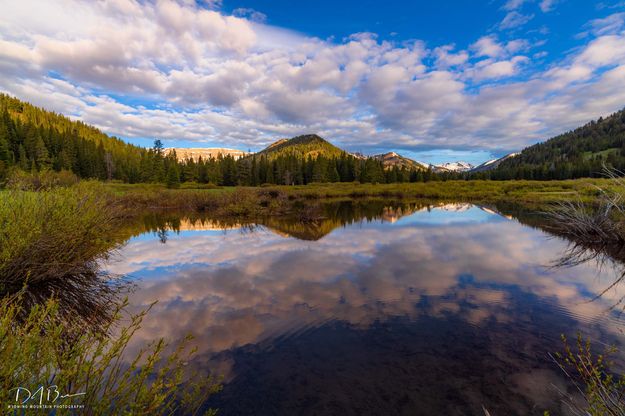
<point x="488" y="46"/>
<point x="251" y="14"/>
<point x="446" y="58"/>
<point x="515" y="19"/>
<point x="200" y="75"/>
<point x="547" y="5"/>
<point x="488" y="69"/>
<point x="611" y="24"/>
<point x="513" y="4"/>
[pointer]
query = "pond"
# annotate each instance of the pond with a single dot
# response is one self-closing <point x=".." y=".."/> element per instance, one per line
<point x="380" y="308"/>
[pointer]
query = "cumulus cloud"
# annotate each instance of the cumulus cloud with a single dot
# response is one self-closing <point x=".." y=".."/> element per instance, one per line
<point x="487" y="46"/>
<point x="488" y="69"/>
<point x="201" y="75"/>
<point x="445" y="57"/>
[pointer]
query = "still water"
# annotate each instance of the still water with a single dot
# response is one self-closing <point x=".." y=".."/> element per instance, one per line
<point x="383" y="309"/>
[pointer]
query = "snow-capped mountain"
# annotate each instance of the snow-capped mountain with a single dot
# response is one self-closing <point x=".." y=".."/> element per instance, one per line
<point x="456" y="166"/>
<point x="492" y="164"/>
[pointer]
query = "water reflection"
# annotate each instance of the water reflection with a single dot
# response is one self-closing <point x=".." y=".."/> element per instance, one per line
<point x="395" y="309"/>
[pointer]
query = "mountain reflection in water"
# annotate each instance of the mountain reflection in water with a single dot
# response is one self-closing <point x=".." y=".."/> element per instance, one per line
<point x="372" y="309"/>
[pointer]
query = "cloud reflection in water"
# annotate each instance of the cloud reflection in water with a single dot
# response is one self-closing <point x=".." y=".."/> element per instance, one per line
<point x="462" y="269"/>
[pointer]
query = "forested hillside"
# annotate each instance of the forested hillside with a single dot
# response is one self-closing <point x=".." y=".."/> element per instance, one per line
<point x="33" y="139"/>
<point x="303" y="147"/>
<point x="576" y="154"/>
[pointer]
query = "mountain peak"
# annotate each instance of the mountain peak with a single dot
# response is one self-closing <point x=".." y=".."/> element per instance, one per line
<point x="307" y="145"/>
<point x="392" y="159"/>
<point x="459" y="166"/>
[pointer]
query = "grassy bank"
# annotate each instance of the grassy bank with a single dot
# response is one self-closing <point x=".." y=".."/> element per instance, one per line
<point x="267" y="199"/>
<point x="61" y="323"/>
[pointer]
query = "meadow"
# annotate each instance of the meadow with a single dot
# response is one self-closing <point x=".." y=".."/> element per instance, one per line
<point x="532" y="194"/>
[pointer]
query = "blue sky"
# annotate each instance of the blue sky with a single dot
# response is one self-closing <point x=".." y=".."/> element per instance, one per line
<point x="437" y="81"/>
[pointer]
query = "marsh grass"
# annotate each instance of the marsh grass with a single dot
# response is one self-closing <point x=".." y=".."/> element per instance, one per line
<point x="273" y="199"/>
<point x="34" y="351"/>
<point x="60" y="314"/>
<point x="603" y="391"/>
<point x="42" y="180"/>
<point x="53" y="242"/>
<point x="233" y="202"/>
<point x="601" y="223"/>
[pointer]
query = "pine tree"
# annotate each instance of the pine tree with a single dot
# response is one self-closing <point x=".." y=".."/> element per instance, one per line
<point x="333" y="174"/>
<point x="41" y="156"/>
<point x="173" y="176"/>
<point x="5" y="153"/>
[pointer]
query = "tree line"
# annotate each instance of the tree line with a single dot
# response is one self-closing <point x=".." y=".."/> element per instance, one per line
<point x="287" y="169"/>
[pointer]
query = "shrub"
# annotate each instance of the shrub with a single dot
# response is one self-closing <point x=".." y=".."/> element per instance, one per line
<point x="602" y="391"/>
<point x="54" y="242"/>
<point x="91" y="368"/>
<point x="36" y="181"/>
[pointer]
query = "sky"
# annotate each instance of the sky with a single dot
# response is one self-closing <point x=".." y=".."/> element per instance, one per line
<point x="436" y="81"/>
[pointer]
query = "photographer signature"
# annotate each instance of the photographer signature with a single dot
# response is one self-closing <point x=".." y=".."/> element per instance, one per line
<point x="42" y="395"/>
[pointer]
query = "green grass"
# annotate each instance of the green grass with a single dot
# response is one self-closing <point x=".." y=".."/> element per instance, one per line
<point x="603" y="153"/>
<point x="491" y="191"/>
<point x="528" y="193"/>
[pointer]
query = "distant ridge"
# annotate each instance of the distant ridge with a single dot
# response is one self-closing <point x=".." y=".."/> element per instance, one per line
<point x="392" y="159"/>
<point x="492" y="164"/>
<point x="205" y="153"/>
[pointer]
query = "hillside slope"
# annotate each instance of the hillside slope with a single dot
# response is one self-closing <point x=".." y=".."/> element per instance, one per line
<point x="306" y="146"/>
<point x="578" y="153"/>
<point x="392" y="159"/>
<point x="492" y="164"/>
<point x="34" y="138"/>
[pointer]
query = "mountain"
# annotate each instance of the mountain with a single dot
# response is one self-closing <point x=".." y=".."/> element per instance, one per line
<point x="456" y="166"/>
<point x="309" y="145"/>
<point x="578" y="153"/>
<point x="205" y="153"/>
<point x="392" y="159"/>
<point x="492" y="164"/>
